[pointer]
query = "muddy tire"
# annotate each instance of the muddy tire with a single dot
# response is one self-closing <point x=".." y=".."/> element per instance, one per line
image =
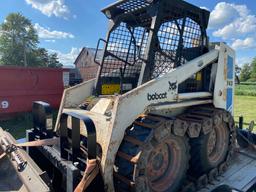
<point x="161" y="159"/>
<point x="210" y="150"/>
<point x="165" y="164"/>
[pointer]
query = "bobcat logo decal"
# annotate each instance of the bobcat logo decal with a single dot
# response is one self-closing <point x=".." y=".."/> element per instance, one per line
<point x="172" y="86"/>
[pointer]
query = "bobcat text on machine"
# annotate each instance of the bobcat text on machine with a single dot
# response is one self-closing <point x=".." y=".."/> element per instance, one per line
<point x="158" y="117"/>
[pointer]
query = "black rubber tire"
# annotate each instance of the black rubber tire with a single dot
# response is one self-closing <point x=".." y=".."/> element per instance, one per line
<point x="200" y="161"/>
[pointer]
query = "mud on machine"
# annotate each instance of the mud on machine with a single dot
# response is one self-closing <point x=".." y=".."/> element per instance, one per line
<point x="158" y="117"/>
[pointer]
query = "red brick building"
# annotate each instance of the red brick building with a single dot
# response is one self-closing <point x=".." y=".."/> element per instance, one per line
<point x="88" y="68"/>
<point x="86" y="65"/>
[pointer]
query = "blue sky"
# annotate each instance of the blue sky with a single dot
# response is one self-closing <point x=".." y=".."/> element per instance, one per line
<point x="65" y="26"/>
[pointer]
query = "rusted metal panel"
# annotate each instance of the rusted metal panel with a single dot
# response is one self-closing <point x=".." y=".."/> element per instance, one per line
<point x="19" y="87"/>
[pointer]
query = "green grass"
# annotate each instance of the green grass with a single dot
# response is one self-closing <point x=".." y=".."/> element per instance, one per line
<point x="247" y="83"/>
<point x="248" y="89"/>
<point x="245" y="101"/>
<point x="18" y="125"/>
<point x="245" y="106"/>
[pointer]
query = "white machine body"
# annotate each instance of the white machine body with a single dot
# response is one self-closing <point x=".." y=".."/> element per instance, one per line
<point x="113" y="114"/>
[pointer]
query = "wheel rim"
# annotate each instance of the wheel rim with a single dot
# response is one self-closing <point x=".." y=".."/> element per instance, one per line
<point x="217" y="142"/>
<point x="163" y="165"/>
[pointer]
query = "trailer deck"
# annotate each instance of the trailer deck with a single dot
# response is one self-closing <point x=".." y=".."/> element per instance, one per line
<point x="13" y="176"/>
<point x="240" y="175"/>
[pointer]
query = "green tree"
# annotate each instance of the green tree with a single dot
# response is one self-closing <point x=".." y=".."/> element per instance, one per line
<point x="18" y="40"/>
<point x="253" y="70"/>
<point x="18" y="44"/>
<point x="245" y="72"/>
<point x="53" y="61"/>
<point x="42" y="57"/>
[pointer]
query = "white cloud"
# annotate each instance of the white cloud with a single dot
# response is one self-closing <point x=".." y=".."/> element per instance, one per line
<point x="248" y="43"/>
<point x="67" y="58"/>
<point x="44" y="33"/>
<point x="234" y="24"/>
<point x="231" y="20"/>
<point x="243" y="60"/>
<point x="240" y="26"/>
<point x="51" y="7"/>
<point x="222" y="14"/>
<point x="50" y="40"/>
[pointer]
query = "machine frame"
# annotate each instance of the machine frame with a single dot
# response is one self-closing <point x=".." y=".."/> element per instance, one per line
<point x="110" y="129"/>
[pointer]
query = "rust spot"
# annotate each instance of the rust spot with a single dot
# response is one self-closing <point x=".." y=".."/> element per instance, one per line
<point x="225" y="67"/>
<point x="224" y="94"/>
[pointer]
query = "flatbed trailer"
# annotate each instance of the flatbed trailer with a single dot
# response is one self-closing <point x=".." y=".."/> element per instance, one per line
<point x="18" y="172"/>
<point x="240" y="174"/>
<point x="159" y="117"/>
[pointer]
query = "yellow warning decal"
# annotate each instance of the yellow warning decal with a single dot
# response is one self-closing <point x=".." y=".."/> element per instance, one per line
<point x="199" y="76"/>
<point x="110" y="89"/>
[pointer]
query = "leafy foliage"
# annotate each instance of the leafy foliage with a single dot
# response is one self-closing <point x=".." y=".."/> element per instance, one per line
<point x="53" y="61"/>
<point x="248" y="89"/>
<point x="42" y="58"/>
<point x="253" y="71"/>
<point x="245" y="72"/>
<point x="17" y="40"/>
<point x="248" y="72"/>
<point x="19" y="44"/>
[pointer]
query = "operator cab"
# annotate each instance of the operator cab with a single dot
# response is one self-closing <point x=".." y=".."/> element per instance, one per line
<point x="147" y="39"/>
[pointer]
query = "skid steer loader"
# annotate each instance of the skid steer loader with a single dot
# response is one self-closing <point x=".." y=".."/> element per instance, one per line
<point x="158" y="117"/>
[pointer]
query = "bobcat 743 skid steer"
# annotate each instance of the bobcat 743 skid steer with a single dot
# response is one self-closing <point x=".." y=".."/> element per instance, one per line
<point x="158" y="117"/>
